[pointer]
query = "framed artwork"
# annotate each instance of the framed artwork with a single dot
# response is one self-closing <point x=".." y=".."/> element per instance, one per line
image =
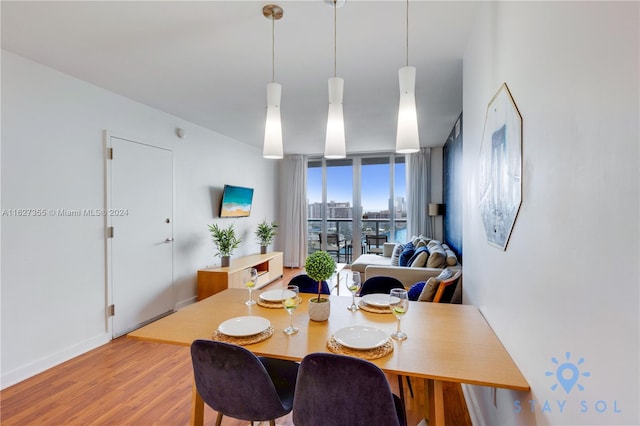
<point x="500" y="174"/>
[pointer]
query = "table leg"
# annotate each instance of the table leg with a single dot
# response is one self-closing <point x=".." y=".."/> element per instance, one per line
<point x="438" y="402"/>
<point x="433" y="402"/>
<point x="428" y="394"/>
<point x="197" y="407"/>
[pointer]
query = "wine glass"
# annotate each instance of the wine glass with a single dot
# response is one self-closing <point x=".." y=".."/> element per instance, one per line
<point x="399" y="305"/>
<point x="353" y="284"/>
<point x="250" y="280"/>
<point x="290" y="301"/>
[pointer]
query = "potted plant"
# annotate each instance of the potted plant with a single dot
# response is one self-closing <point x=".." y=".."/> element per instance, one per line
<point x="319" y="266"/>
<point x="265" y="234"/>
<point x="225" y="240"/>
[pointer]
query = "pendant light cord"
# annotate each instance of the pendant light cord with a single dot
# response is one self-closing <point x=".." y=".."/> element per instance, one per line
<point x="335" y="38"/>
<point x="273" y="49"/>
<point x="407" y="32"/>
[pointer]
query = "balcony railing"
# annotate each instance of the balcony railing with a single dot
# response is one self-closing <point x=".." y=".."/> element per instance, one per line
<point x="344" y="229"/>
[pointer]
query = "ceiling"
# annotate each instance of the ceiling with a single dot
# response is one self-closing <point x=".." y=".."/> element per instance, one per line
<point x="208" y="62"/>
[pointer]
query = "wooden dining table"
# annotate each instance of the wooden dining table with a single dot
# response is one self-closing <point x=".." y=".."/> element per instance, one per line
<point x="446" y="342"/>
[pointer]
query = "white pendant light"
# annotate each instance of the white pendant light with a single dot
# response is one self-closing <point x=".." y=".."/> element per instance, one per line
<point x="407" y="139"/>
<point x="273" y="127"/>
<point x="335" y="146"/>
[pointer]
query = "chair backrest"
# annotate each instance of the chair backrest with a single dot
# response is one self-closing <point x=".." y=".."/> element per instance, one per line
<point x="306" y="284"/>
<point x="333" y="240"/>
<point x="380" y="284"/>
<point x="375" y="240"/>
<point x="233" y="381"/>
<point x="329" y="387"/>
<point x="447" y="287"/>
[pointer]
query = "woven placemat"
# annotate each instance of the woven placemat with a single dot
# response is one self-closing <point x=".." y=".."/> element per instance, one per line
<point x="268" y="304"/>
<point x="244" y="340"/>
<point x="374" y="309"/>
<point x="374" y="353"/>
<point x="273" y="305"/>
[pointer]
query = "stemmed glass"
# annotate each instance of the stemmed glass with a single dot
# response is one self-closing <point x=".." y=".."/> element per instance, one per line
<point x="250" y="279"/>
<point x="290" y="301"/>
<point x="353" y="284"/>
<point x="399" y="305"/>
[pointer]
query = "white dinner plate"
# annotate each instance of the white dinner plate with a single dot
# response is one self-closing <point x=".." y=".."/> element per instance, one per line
<point x="380" y="300"/>
<point x="276" y="295"/>
<point x="244" y="326"/>
<point x="360" y="337"/>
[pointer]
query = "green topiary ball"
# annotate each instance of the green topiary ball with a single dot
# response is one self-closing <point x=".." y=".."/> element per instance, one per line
<point x="320" y="266"/>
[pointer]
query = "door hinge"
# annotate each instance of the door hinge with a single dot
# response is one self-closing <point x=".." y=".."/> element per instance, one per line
<point x="110" y="153"/>
<point x="111" y="310"/>
<point x="110" y="232"/>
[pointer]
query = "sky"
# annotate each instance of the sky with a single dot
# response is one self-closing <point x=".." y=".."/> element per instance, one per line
<point x="375" y="185"/>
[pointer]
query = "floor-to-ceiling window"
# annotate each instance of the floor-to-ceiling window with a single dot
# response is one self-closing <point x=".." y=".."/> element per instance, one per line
<point x="330" y="206"/>
<point x="399" y="200"/>
<point x="353" y="198"/>
<point x="315" y="191"/>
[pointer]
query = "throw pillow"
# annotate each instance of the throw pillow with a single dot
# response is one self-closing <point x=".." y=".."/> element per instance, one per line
<point x="387" y="249"/>
<point x="429" y="290"/>
<point x="452" y="259"/>
<point x="395" y="256"/>
<point x="437" y="256"/>
<point x="419" y="258"/>
<point x="407" y="253"/>
<point x="433" y="243"/>
<point x="415" y="290"/>
<point x="446" y="274"/>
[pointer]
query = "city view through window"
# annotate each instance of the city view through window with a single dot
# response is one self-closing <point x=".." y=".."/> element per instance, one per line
<point x="378" y="180"/>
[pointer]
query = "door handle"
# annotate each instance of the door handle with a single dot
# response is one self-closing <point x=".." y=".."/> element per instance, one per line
<point x="168" y="240"/>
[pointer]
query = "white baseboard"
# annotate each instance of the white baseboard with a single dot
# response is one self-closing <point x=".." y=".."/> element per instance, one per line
<point x="24" y="372"/>
<point x="184" y="303"/>
<point x="21" y="373"/>
<point x="472" y="405"/>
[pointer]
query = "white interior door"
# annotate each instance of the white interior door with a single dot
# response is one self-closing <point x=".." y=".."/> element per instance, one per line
<point x="140" y="210"/>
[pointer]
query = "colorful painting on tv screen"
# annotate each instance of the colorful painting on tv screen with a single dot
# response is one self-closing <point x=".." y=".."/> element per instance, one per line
<point x="236" y="201"/>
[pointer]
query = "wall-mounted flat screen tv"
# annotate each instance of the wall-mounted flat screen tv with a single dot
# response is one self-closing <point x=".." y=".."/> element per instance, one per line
<point x="236" y="201"/>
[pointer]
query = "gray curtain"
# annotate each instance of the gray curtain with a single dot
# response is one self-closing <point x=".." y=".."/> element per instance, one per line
<point x="419" y="193"/>
<point x="294" y="228"/>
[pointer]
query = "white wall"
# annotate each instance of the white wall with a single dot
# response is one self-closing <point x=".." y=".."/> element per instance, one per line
<point x="568" y="281"/>
<point x="53" y="268"/>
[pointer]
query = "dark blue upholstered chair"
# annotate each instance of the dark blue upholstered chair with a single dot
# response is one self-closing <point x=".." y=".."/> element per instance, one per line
<point x="380" y="284"/>
<point x="329" y="387"/>
<point x="236" y="383"/>
<point x="306" y="284"/>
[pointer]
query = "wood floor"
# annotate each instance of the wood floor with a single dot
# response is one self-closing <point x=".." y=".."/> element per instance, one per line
<point x="129" y="382"/>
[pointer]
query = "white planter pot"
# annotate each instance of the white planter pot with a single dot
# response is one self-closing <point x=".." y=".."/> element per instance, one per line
<point x="319" y="311"/>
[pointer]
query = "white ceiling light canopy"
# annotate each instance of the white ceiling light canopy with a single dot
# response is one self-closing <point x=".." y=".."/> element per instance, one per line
<point x="273" y="127"/>
<point x="407" y="138"/>
<point x="335" y="145"/>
